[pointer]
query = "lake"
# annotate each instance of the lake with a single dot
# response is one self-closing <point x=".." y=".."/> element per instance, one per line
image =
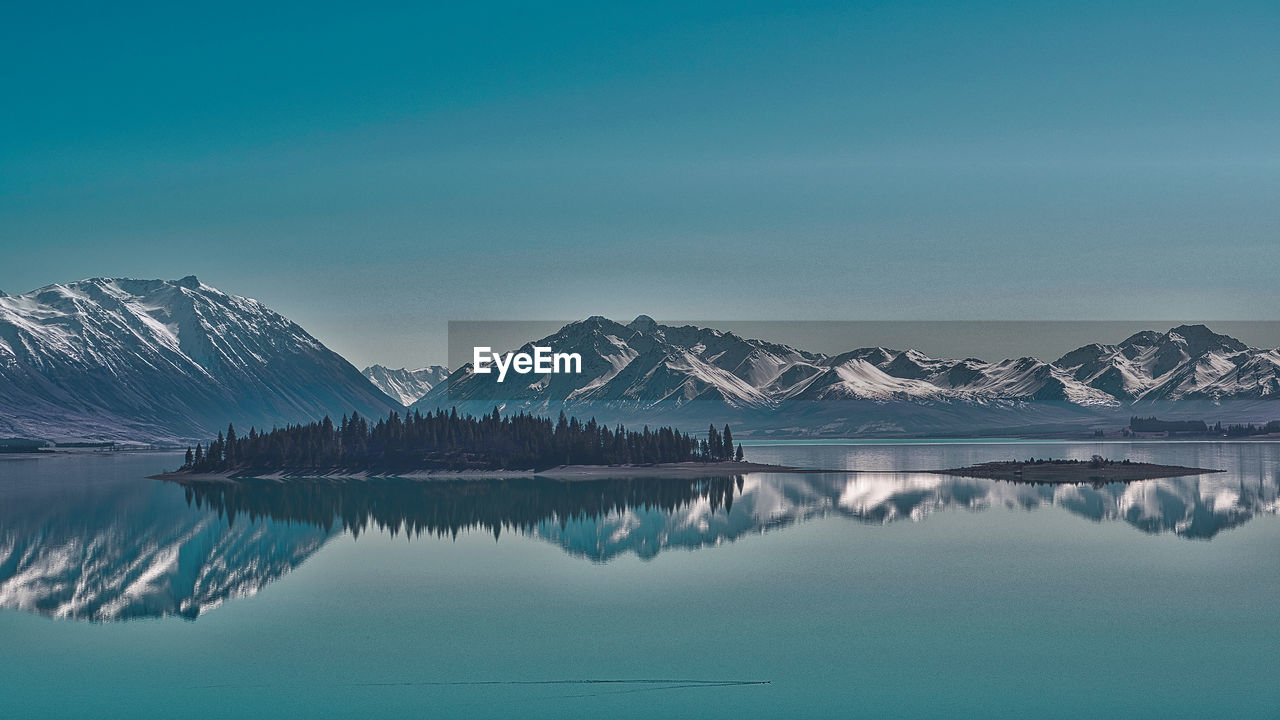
<point x="891" y="593"/>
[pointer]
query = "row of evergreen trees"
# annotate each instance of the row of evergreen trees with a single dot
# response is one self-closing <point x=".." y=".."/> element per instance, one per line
<point x="1155" y="424"/>
<point x="1247" y="430"/>
<point x="443" y="440"/>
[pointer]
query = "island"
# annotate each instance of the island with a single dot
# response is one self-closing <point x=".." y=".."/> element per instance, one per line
<point x="1095" y="470"/>
<point x="687" y="470"/>
<point x="443" y="445"/>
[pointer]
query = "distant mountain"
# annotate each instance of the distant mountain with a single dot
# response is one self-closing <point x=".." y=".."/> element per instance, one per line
<point x="1190" y="362"/>
<point x="405" y="385"/>
<point x="641" y="366"/>
<point x="163" y="360"/>
<point x="176" y="360"/>
<point x="644" y="371"/>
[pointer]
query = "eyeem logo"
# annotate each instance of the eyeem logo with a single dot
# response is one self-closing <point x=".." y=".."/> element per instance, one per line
<point x="541" y="362"/>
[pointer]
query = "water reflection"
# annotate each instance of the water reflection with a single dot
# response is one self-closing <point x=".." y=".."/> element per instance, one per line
<point x="118" y="549"/>
<point x="135" y="549"/>
<point x="1194" y="507"/>
<point x="603" y="519"/>
<point x="444" y="509"/>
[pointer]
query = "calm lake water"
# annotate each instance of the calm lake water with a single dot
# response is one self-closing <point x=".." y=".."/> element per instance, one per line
<point x="885" y="594"/>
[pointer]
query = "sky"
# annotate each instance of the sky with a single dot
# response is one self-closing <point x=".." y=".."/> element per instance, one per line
<point x="374" y="171"/>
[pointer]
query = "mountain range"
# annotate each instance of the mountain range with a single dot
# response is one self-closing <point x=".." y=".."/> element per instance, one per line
<point x="647" y="371"/>
<point x="177" y="360"/>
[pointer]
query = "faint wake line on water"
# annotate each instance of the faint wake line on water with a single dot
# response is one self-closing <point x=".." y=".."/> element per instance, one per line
<point x="694" y="684"/>
<point x="648" y="681"/>
<point x="660" y="683"/>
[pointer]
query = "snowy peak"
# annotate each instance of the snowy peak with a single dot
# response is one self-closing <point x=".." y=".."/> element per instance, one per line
<point x="643" y="323"/>
<point x="639" y="366"/>
<point x="645" y="368"/>
<point x="405" y="385"/>
<point x="1187" y="362"/>
<point x="883" y="374"/>
<point x="1197" y="340"/>
<point x="121" y="358"/>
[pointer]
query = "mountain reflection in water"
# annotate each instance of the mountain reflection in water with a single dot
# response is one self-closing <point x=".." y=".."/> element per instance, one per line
<point x="147" y="549"/>
<point x="601" y="519"/>
<point x="117" y="548"/>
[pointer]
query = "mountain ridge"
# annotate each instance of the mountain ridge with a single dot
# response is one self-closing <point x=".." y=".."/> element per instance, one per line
<point x="648" y="370"/>
<point x="404" y="384"/>
<point x="173" y="360"/>
<point x="162" y="360"/>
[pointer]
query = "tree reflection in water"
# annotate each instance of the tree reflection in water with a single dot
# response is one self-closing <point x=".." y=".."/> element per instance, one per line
<point x="445" y="508"/>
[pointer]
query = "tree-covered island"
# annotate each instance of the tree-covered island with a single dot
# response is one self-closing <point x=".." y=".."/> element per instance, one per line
<point x="447" y="441"/>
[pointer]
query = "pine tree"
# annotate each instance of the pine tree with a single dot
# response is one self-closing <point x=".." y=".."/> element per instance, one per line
<point x="738" y="456"/>
<point x="230" y="452"/>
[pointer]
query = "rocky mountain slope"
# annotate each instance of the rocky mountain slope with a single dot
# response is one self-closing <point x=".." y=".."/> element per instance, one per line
<point x="405" y="385"/>
<point x="163" y="360"/>
<point x="647" y="371"/>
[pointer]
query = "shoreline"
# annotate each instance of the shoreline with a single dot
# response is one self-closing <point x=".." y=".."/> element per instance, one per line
<point x="1056" y="473"/>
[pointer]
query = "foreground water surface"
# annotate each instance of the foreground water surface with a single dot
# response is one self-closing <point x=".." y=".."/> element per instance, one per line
<point x="891" y="593"/>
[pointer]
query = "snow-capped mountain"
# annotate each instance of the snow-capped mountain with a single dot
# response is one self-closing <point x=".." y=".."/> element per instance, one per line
<point x="1190" y="362"/>
<point x="650" y="372"/>
<point x="163" y="360"/>
<point x="642" y="366"/>
<point x="880" y="374"/>
<point x="405" y="385"/>
<point x="175" y="360"/>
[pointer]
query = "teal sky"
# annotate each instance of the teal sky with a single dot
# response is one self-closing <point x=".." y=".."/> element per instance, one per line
<point x="373" y="173"/>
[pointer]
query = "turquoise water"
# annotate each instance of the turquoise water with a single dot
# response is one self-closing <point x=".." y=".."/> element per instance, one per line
<point x="885" y="594"/>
